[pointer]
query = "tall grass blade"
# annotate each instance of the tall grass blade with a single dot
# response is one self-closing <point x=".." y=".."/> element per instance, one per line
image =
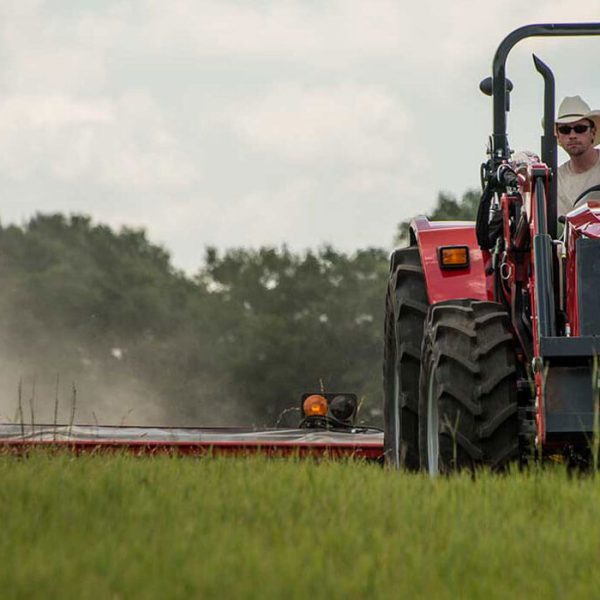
<point x="32" y="406"/>
<point x="73" y="407"/>
<point x="56" y="388"/>
<point x="20" y="398"/>
<point x="596" y="432"/>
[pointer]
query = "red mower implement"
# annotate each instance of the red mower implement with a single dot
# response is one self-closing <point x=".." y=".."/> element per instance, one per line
<point x="327" y="429"/>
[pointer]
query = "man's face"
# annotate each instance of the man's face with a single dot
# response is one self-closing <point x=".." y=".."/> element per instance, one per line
<point x="576" y="144"/>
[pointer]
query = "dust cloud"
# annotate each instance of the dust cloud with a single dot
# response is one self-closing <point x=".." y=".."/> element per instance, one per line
<point x="53" y="388"/>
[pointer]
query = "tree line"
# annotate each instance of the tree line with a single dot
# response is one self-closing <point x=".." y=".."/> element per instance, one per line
<point x="100" y="323"/>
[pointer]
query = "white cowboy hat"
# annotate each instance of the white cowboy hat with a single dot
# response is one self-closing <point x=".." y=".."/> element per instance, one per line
<point x="573" y="108"/>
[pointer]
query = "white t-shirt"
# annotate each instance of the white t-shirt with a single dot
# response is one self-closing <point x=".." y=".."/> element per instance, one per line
<point x="571" y="185"/>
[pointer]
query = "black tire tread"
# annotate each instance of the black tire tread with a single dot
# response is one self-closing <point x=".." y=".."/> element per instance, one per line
<point x="468" y="365"/>
<point x="493" y="344"/>
<point x="467" y="350"/>
<point x="487" y="429"/>
<point x="460" y="396"/>
<point x="406" y="309"/>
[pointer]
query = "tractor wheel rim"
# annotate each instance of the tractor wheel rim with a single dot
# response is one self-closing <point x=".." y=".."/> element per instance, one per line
<point x="396" y="415"/>
<point x="433" y="428"/>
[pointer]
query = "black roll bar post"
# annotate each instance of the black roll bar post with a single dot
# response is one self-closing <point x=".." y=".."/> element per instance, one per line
<point x="549" y="149"/>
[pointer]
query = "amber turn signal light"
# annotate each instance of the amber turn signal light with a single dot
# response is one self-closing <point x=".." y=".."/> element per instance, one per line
<point x="453" y="257"/>
<point x="315" y="405"/>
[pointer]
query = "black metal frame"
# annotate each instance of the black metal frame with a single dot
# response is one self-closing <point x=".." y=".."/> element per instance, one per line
<point x="549" y="146"/>
<point x="542" y="252"/>
<point x="564" y="348"/>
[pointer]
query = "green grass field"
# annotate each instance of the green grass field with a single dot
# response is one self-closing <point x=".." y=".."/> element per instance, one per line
<point x="126" y="527"/>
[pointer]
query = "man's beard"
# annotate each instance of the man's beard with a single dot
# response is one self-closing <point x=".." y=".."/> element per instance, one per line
<point x="575" y="150"/>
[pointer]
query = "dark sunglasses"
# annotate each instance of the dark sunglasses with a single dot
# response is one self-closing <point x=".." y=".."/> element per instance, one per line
<point x="566" y="129"/>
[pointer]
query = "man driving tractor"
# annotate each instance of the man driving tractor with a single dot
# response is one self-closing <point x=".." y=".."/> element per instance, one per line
<point x="578" y="133"/>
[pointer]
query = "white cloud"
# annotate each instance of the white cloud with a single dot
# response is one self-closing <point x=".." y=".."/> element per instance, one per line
<point x="272" y="213"/>
<point x="287" y="31"/>
<point x="66" y="47"/>
<point x="339" y="33"/>
<point x="303" y="212"/>
<point x="347" y="124"/>
<point x="227" y="122"/>
<point x="124" y="143"/>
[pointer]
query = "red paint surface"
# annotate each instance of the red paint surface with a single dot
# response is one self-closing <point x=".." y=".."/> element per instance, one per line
<point x="455" y="283"/>
<point x="369" y="451"/>
<point x="583" y="221"/>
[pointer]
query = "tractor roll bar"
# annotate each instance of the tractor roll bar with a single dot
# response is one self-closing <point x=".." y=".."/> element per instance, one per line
<point x="500" y="143"/>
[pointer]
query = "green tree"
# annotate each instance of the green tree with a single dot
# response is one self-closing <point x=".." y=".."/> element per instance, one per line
<point x="448" y="208"/>
<point x="291" y="323"/>
<point x="237" y="344"/>
<point x="91" y="306"/>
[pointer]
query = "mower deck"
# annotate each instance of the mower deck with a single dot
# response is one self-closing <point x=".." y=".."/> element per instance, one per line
<point x="194" y="441"/>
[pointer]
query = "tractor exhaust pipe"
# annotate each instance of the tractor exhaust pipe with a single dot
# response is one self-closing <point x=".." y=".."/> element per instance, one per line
<point x="549" y="150"/>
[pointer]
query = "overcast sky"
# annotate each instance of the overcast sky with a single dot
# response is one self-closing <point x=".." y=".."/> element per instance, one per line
<point x="234" y="123"/>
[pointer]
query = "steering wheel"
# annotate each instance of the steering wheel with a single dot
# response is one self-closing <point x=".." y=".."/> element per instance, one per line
<point x="594" y="188"/>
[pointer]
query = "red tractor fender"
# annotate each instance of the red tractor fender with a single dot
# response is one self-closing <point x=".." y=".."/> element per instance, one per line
<point x="450" y="284"/>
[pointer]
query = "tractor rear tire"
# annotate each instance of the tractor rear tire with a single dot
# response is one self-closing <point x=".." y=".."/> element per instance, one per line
<point x="406" y="307"/>
<point x="468" y="416"/>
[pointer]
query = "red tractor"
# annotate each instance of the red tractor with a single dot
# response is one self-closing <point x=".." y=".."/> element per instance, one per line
<point x="492" y="328"/>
